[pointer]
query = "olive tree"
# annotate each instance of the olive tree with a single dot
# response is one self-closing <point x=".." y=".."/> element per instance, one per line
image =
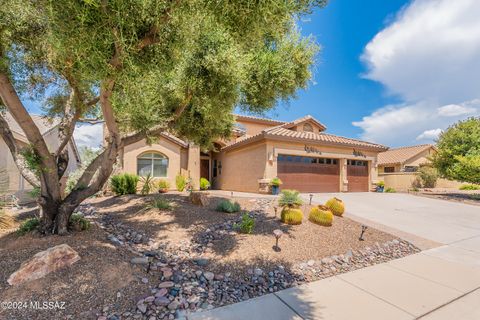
<point x="458" y="155"/>
<point x="143" y="67"/>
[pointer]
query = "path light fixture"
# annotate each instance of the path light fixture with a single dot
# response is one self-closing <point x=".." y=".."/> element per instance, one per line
<point x="364" y="228"/>
<point x="231" y="194"/>
<point x="275" y="208"/>
<point x="311" y="196"/>
<point x="277" y="233"/>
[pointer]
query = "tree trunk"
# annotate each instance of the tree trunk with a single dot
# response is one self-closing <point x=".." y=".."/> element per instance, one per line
<point x="62" y="218"/>
<point x="48" y="212"/>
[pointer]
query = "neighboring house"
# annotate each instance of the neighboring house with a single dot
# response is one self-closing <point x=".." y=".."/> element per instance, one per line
<point x="49" y="129"/>
<point x="300" y="153"/>
<point x="405" y="159"/>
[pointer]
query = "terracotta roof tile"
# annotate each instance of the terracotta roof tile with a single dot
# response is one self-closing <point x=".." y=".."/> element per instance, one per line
<point x="260" y="119"/>
<point x="303" y="119"/>
<point x="400" y="155"/>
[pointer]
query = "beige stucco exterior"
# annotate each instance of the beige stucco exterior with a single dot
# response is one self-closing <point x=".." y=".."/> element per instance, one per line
<point x="417" y="160"/>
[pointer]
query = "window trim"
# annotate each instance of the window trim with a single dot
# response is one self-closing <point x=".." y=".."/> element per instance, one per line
<point x="152" y="158"/>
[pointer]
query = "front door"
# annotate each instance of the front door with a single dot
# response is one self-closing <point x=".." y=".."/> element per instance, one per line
<point x="205" y="168"/>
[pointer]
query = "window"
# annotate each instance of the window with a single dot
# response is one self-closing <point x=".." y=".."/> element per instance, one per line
<point x="389" y="169"/>
<point x="411" y="169"/>
<point x="215" y="168"/>
<point x="155" y="164"/>
<point x="307" y="127"/>
<point x="359" y="163"/>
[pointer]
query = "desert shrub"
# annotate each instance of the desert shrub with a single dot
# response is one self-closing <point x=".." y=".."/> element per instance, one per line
<point x="475" y="196"/>
<point x="124" y="183"/>
<point x="34" y="193"/>
<point x="6" y="220"/>
<point x="160" y="204"/>
<point x="148" y="184"/>
<point x="180" y="182"/>
<point x="390" y="190"/>
<point x="321" y="215"/>
<point x="163" y="184"/>
<point x="246" y="225"/>
<point x="336" y="206"/>
<point x="78" y="222"/>
<point x="228" y="206"/>
<point x="276" y="182"/>
<point x="469" y="187"/>
<point x="290" y="199"/>
<point x="204" y="184"/>
<point x="28" y="226"/>
<point x="291" y="216"/>
<point x="417" y="183"/>
<point x="428" y="175"/>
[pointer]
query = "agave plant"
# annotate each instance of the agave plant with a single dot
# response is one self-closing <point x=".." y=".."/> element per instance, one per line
<point x="290" y="199"/>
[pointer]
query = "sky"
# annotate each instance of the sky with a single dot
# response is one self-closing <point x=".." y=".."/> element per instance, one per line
<point x="389" y="71"/>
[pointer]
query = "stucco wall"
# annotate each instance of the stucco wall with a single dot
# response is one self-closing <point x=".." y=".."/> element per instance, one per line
<point x="402" y="181"/>
<point x="241" y="169"/>
<point x="253" y="128"/>
<point x="171" y="150"/>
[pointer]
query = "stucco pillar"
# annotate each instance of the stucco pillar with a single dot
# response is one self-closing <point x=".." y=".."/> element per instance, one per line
<point x="343" y="175"/>
<point x="193" y="165"/>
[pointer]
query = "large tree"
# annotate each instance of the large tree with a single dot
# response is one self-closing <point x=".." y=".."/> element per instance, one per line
<point x="458" y="155"/>
<point x="142" y="66"/>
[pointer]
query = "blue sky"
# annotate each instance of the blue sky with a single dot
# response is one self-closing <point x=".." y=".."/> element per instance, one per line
<point x="390" y="71"/>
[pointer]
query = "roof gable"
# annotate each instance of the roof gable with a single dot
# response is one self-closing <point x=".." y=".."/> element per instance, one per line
<point x="402" y="154"/>
<point x="302" y="120"/>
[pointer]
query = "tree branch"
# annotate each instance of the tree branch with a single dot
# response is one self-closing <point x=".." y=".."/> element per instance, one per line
<point x="7" y="136"/>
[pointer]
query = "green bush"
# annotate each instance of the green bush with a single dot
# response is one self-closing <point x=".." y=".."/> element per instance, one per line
<point x="180" y="182"/>
<point x="390" y="190"/>
<point x="35" y="192"/>
<point x="160" y="204"/>
<point x="163" y="185"/>
<point x="276" y="182"/>
<point x="204" y="184"/>
<point x="475" y="196"/>
<point x="78" y="222"/>
<point x="228" y="206"/>
<point x="428" y="176"/>
<point x="246" y="225"/>
<point x="124" y="183"/>
<point x="148" y="184"/>
<point x="290" y="199"/>
<point x="28" y="226"/>
<point x="469" y="187"/>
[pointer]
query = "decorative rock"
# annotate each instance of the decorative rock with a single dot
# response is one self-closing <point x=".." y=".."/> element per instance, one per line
<point x="208" y="275"/>
<point x="160" y="293"/>
<point x="173" y="305"/>
<point x="310" y="263"/>
<point x="43" y="263"/>
<point x="201" y="261"/>
<point x="139" y="260"/>
<point x="142" y="307"/>
<point x="166" y="284"/>
<point x="200" y="198"/>
<point x="258" y="272"/>
<point x="161" y="301"/>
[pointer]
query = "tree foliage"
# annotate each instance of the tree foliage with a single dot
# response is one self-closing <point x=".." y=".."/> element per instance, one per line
<point x="458" y="155"/>
<point x="144" y="67"/>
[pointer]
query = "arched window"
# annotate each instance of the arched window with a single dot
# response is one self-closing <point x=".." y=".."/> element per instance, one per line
<point x="152" y="163"/>
<point x="307" y="127"/>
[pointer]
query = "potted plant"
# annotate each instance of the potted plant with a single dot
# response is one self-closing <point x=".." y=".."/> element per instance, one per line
<point x="275" y="185"/>
<point x="380" y="186"/>
<point x="163" y="186"/>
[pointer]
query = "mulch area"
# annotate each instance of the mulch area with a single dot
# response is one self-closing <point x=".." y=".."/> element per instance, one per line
<point x="105" y="276"/>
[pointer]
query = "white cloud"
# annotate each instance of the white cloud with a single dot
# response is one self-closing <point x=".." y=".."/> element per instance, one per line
<point x="428" y="56"/>
<point x="90" y="135"/>
<point x="429" y="134"/>
<point x="452" y="110"/>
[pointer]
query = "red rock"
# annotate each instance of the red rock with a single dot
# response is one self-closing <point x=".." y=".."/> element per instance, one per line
<point x="43" y="263"/>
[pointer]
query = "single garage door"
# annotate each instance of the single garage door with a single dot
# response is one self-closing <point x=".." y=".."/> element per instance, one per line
<point x="357" y="175"/>
<point x="308" y="174"/>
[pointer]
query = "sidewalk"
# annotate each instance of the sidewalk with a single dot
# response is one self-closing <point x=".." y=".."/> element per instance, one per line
<point x="440" y="283"/>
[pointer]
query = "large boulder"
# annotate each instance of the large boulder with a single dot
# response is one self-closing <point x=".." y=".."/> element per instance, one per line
<point x="43" y="263"/>
<point x="200" y="198"/>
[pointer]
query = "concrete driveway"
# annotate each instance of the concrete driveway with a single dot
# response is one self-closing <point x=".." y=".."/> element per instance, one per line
<point x="441" y="221"/>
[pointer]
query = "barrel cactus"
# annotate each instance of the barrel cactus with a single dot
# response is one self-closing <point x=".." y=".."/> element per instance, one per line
<point x="336" y="206"/>
<point x="321" y="215"/>
<point x="291" y="216"/>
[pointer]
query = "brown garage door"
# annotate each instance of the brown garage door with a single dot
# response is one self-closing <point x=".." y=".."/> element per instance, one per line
<point x="357" y="175"/>
<point x="308" y="174"/>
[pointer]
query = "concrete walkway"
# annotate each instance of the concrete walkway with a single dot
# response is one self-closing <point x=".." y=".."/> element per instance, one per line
<point x="440" y="283"/>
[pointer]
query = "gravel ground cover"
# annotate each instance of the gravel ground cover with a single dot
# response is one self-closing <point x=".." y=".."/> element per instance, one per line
<point x="145" y="263"/>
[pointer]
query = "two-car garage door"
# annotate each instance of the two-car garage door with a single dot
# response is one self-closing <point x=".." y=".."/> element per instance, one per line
<point x="309" y="174"/>
<point x="314" y="174"/>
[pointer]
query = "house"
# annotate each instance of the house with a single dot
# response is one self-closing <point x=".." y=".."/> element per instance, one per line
<point x="405" y="159"/>
<point x="10" y="175"/>
<point x="300" y="153"/>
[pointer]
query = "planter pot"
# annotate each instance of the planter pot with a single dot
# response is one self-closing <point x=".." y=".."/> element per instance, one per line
<point x="380" y="189"/>
<point x="275" y="190"/>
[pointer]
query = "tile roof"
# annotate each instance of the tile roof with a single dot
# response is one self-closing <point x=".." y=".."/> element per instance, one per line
<point x="302" y="136"/>
<point x="401" y="155"/>
<point x="258" y="119"/>
<point x="304" y="119"/>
